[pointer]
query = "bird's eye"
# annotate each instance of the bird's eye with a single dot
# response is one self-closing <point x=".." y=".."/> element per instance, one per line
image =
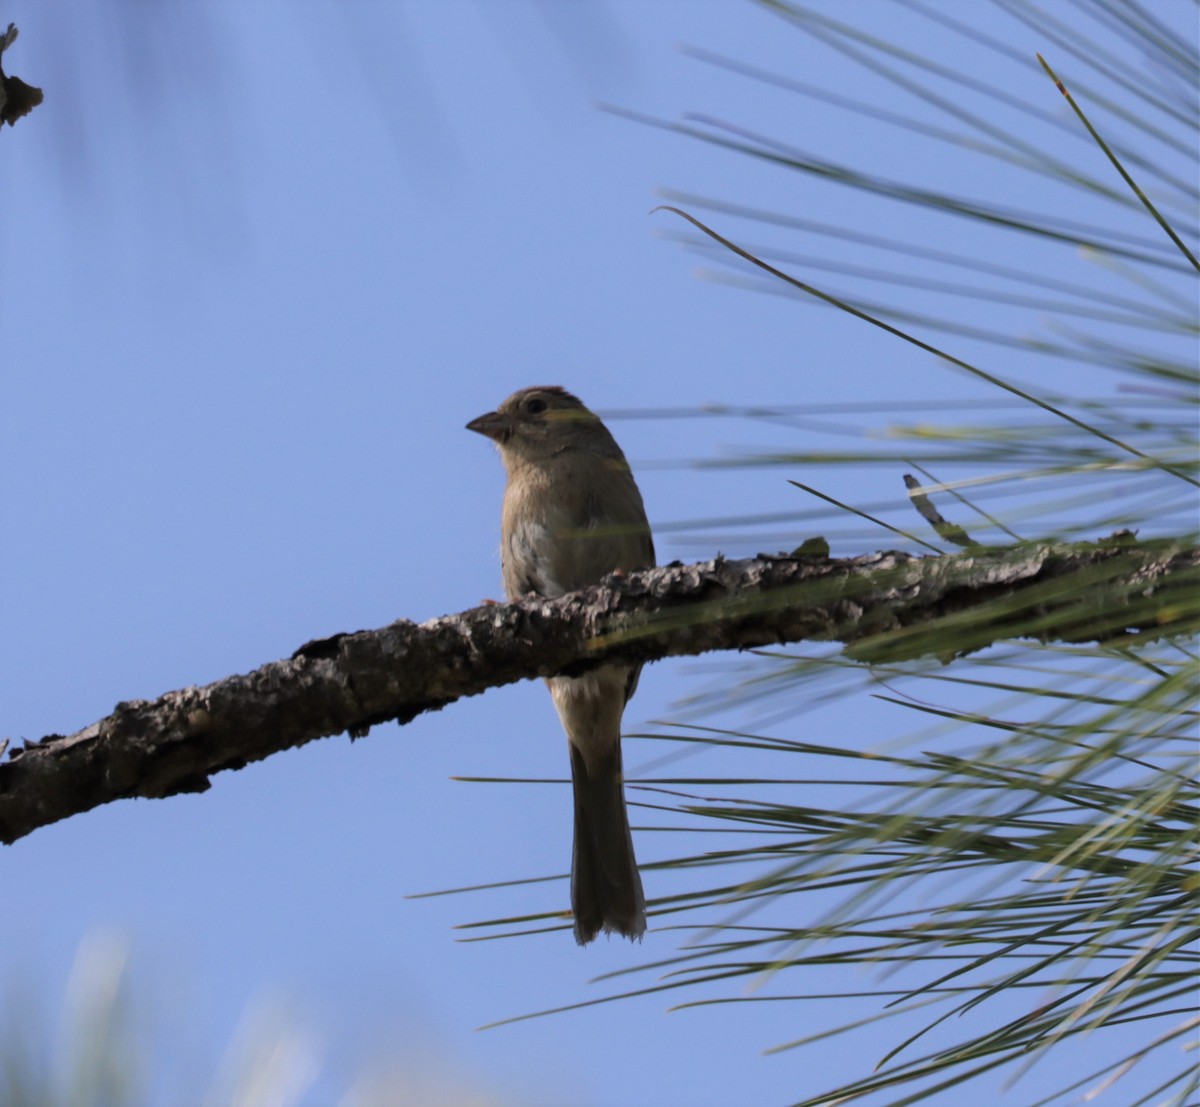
<point x="535" y="406"/>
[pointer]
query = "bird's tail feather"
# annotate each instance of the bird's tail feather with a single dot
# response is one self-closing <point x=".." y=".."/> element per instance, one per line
<point x="606" y="889"/>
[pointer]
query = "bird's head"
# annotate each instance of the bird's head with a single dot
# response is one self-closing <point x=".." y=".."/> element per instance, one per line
<point x="537" y="423"/>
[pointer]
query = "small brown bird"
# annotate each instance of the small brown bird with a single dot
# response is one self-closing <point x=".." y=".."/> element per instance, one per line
<point x="572" y="515"/>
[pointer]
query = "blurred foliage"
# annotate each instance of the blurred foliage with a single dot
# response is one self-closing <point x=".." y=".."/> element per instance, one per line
<point x="1017" y="879"/>
<point x="117" y="1044"/>
<point x="94" y="1059"/>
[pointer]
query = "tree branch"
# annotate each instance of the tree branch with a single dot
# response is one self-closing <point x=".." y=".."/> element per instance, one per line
<point x="16" y="97"/>
<point x="882" y="606"/>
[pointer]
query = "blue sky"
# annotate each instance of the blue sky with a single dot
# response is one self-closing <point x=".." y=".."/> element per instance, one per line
<point x="259" y="264"/>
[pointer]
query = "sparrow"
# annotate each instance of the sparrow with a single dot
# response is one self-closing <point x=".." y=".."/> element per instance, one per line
<point x="572" y="514"/>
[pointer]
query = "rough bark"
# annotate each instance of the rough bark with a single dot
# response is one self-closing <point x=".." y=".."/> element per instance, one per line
<point x="882" y="606"/>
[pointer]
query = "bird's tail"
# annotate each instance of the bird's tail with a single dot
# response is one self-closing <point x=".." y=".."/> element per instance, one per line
<point x="606" y="890"/>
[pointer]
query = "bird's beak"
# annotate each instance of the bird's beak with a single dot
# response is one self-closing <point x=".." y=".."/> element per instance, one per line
<point x="493" y="425"/>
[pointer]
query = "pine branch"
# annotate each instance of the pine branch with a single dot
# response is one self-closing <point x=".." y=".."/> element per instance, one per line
<point x="17" y="99"/>
<point x="882" y="606"/>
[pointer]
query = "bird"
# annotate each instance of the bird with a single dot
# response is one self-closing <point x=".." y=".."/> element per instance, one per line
<point x="572" y="514"/>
